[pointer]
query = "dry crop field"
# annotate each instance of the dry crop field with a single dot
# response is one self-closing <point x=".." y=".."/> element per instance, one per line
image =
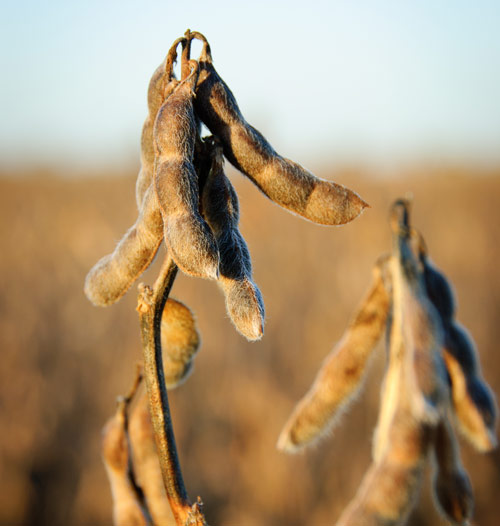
<point x="65" y="361"/>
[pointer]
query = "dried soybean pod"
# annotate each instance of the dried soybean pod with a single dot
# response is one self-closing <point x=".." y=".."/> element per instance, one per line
<point x="438" y="288"/>
<point x="473" y="405"/>
<point x="343" y="371"/>
<point x="161" y="85"/>
<point x="188" y="236"/>
<point x="146" y="465"/>
<point x="127" y="510"/>
<point x="179" y="342"/>
<point x="452" y="488"/>
<point x="389" y="489"/>
<point x="285" y="182"/>
<point x="112" y="276"/>
<point x="473" y="401"/>
<point x="421" y="326"/>
<point x="415" y="339"/>
<point x="220" y="207"/>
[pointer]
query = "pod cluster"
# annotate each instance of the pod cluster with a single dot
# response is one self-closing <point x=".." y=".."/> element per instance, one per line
<point x="432" y="387"/>
<point x="186" y="201"/>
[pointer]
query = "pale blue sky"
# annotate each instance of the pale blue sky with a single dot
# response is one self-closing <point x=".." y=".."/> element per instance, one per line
<point x="325" y="81"/>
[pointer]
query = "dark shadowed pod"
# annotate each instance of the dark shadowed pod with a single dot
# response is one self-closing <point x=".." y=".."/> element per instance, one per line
<point x="220" y="207"/>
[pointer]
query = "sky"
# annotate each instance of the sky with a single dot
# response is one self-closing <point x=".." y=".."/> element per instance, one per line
<point x="325" y="81"/>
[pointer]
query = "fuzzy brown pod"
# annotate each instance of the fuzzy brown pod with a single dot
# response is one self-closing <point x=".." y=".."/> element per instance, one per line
<point x="112" y="276"/>
<point x="342" y="373"/>
<point x="438" y="288"/>
<point x="474" y="403"/>
<point x="410" y="407"/>
<point x="127" y="510"/>
<point x="285" y="182"/>
<point x="390" y="487"/>
<point x="180" y="342"/>
<point x="189" y="238"/>
<point x="419" y="322"/>
<point x="220" y="207"/>
<point x="451" y="485"/>
<point x="161" y="86"/>
<point x="415" y="339"/>
<point x="146" y="466"/>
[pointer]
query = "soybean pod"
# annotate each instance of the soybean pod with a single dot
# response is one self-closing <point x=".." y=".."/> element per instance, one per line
<point x="179" y="342"/>
<point x="146" y="465"/>
<point x="451" y="485"/>
<point x="391" y="485"/>
<point x="473" y="401"/>
<point x="127" y="508"/>
<point x="421" y="328"/>
<point x="161" y="86"/>
<point x="220" y="207"/>
<point x="111" y="277"/>
<point x="189" y="238"/>
<point x="285" y="182"/>
<point x="341" y="375"/>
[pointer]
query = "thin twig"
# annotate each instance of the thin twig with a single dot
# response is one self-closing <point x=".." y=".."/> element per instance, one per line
<point x="150" y="307"/>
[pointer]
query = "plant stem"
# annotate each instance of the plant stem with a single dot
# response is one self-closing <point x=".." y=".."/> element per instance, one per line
<point x="150" y="307"/>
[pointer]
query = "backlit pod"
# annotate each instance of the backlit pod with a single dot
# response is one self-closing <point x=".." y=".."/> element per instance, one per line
<point x="416" y="337"/>
<point x="473" y="401"/>
<point x="189" y="238"/>
<point x="127" y="510"/>
<point x="285" y="182"/>
<point x="342" y="373"/>
<point x="179" y="342"/>
<point x="161" y="85"/>
<point x="221" y="210"/>
<point x="112" y="276"/>
<point x="146" y="465"/>
<point x="451" y="484"/>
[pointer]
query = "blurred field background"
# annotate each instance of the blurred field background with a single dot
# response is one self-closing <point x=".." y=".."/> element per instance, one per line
<point x="65" y="361"/>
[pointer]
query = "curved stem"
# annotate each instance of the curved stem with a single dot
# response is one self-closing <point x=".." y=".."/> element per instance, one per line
<point x="186" y="55"/>
<point x="206" y="53"/>
<point x="150" y="307"/>
<point x="172" y="57"/>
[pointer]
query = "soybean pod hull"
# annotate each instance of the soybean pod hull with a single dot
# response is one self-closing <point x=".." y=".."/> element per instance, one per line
<point x="473" y="405"/>
<point x="175" y="126"/>
<point x="285" y="182"/>
<point x="221" y="210"/>
<point x="420" y="328"/>
<point x="146" y="465"/>
<point x="127" y="510"/>
<point x="112" y="276"/>
<point x="188" y="236"/>
<point x="160" y="87"/>
<point x="439" y="291"/>
<point x="451" y="485"/>
<point x="220" y="207"/>
<point x="180" y="341"/>
<point x="459" y="345"/>
<point x="342" y="373"/>
<point x="389" y="489"/>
